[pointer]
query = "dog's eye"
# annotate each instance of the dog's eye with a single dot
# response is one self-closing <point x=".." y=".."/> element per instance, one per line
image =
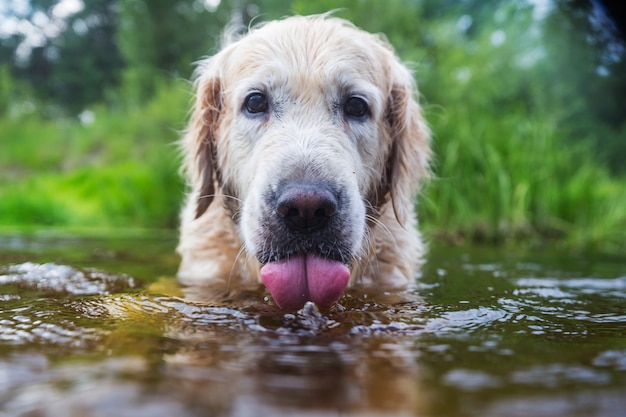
<point x="256" y="103"/>
<point x="355" y="107"/>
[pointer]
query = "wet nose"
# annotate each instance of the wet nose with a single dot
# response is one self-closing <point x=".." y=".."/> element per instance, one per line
<point x="306" y="207"/>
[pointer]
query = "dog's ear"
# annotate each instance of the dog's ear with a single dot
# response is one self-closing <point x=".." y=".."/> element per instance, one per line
<point x="409" y="154"/>
<point x="199" y="143"/>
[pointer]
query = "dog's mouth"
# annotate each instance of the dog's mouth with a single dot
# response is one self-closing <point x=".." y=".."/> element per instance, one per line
<point x="307" y="244"/>
<point x="295" y="280"/>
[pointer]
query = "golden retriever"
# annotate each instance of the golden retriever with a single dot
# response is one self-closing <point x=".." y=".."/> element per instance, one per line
<point x="303" y="153"/>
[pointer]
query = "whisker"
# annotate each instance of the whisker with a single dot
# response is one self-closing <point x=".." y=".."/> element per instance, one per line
<point x="375" y="219"/>
<point x="241" y="252"/>
<point x="371" y="244"/>
<point x="383" y="227"/>
<point x="232" y="197"/>
<point x="220" y="195"/>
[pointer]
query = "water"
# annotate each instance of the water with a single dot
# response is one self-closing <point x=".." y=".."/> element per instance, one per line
<point x="99" y="327"/>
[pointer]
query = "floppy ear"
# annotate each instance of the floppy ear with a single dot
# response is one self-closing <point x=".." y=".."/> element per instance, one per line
<point x="198" y="143"/>
<point x="409" y="155"/>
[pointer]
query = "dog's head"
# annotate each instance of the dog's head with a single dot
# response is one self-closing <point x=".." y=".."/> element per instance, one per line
<point x="308" y="126"/>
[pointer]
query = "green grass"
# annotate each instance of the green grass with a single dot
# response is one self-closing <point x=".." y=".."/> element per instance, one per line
<point x="119" y="171"/>
<point x="510" y="164"/>
<point x="515" y="179"/>
<point x="505" y="178"/>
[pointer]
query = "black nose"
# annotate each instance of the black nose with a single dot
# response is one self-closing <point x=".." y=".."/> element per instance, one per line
<point x="306" y="207"/>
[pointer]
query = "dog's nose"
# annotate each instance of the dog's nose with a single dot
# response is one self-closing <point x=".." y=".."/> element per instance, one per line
<point x="306" y="207"/>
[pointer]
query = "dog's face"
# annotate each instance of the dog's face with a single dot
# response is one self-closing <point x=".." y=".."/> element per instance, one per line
<point x="302" y="124"/>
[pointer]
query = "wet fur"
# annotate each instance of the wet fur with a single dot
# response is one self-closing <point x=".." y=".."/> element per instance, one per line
<point x="232" y="161"/>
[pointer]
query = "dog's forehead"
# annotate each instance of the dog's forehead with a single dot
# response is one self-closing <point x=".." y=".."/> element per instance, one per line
<point x="309" y="50"/>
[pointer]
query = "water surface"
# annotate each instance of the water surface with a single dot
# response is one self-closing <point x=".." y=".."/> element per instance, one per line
<point x="99" y="327"/>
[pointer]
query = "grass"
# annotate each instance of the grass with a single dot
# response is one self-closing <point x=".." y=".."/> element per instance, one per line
<point x="119" y="171"/>
<point x="509" y="166"/>
<point x="506" y="178"/>
<point x="516" y="180"/>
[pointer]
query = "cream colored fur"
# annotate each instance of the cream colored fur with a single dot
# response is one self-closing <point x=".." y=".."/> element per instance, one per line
<point x="305" y="64"/>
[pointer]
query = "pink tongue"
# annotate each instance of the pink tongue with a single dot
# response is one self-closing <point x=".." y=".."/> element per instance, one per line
<point x="294" y="281"/>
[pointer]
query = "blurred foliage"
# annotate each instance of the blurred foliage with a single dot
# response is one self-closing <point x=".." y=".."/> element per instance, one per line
<point x="160" y="39"/>
<point x="117" y="169"/>
<point x="525" y="104"/>
<point x="73" y="68"/>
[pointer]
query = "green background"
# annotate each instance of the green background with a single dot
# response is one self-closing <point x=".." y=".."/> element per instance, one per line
<point x="525" y="100"/>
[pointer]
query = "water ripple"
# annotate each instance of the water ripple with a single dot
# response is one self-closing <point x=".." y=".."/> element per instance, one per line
<point x="51" y="278"/>
<point x="41" y="326"/>
<point x="572" y="290"/>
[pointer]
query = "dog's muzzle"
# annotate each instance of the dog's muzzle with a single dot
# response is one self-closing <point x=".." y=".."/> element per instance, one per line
<point x="306" y="254"/>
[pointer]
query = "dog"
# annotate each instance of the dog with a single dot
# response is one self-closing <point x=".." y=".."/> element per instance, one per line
<point x="304" y="152"/>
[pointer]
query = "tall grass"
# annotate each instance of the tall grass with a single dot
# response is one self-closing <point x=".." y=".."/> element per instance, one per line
<point x="517" y="180"/>
<point x="500" y="177"/>
<point x="120" y="170"/>
<point x="506" y="168"/>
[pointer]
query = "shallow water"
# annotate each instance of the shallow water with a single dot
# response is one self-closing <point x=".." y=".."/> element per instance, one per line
<point x="99" y="327"/>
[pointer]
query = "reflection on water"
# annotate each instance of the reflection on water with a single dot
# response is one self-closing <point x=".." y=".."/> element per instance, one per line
<point x="488" y="333"/>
